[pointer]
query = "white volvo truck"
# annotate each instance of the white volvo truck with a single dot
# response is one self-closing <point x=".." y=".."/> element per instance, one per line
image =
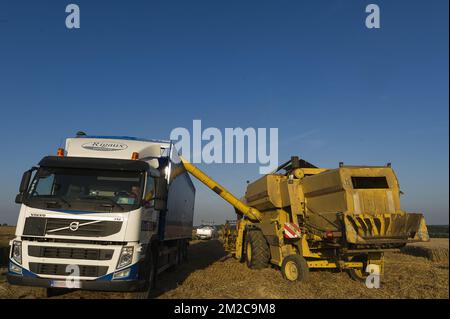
<point x="106" y="213"/>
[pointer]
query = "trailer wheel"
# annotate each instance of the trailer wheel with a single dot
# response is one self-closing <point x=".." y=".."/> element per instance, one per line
<point x="359" y="274"/>
<point x="295" y="268"/>
<point x="257" y="254"/>
<point x="184" y="251"/>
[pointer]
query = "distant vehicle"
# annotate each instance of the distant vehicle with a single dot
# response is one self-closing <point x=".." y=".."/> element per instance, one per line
<point x="206" y="232"/>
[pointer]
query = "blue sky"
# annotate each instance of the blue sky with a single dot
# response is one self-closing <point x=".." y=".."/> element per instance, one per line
<point x="336" y="90"/>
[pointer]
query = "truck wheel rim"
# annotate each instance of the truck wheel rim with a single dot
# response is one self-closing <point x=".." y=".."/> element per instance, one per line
<point x="291" y="271"/>
<point x="249" y="252"/>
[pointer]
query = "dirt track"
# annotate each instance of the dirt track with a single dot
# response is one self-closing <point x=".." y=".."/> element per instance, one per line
<point x="209" y="273"/>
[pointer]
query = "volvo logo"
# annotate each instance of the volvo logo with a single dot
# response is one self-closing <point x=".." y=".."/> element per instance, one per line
<point x="104" y="146"/>
<point x="74" y="226"/>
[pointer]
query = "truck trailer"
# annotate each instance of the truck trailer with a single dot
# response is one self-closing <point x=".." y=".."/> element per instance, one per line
<point x="106" y="213"/>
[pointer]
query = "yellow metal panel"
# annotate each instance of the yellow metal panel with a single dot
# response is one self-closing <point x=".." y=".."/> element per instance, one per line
<point x="327" y="264"/>
<point x="332" y="202"/>
<point x="268" y="192"/>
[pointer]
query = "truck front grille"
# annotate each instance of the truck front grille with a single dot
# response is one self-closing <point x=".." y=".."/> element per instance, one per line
<point x="37" y="226"/>
<point x="60" y="270"/>
<point x="70" y="253"/>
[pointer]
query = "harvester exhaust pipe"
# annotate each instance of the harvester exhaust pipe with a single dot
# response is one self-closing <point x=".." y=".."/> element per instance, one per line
<point x="248" y="211"/>
<point x="295" y="162"/>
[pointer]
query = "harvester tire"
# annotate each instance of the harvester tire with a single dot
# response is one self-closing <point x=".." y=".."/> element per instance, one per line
<point x="359" y="274"/>
<point x="295" y="268"/>
<point x="257" y="254"/>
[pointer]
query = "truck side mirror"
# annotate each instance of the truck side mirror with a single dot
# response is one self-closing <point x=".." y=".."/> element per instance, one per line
<point x="26" y="177"/>
<point x="25" y="181"/>
<point x="19" y="198"/>
<point x="161" y="194"/>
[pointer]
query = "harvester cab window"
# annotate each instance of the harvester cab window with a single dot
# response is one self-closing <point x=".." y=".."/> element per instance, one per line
<point x="369" y="182"/>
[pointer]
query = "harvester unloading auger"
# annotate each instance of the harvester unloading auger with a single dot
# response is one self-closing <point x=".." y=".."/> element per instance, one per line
<point x="309" y="217"/>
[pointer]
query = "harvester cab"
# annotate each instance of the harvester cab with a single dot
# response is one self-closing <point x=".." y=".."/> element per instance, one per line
<point x="301" y="217"/>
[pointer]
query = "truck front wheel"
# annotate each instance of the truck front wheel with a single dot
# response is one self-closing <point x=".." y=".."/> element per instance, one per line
<point x="257" y="254"/>
<point x="149" y="277"/>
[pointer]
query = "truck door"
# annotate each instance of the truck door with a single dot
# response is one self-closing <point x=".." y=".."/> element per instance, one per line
<point x="149" y="218"/>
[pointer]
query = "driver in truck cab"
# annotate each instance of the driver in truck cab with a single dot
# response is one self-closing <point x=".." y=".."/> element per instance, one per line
<point x="135" y="192"/>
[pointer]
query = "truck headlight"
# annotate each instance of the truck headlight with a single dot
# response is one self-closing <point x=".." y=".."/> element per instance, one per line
<point x="17" y="251"/>
<point x="126" y="257"/>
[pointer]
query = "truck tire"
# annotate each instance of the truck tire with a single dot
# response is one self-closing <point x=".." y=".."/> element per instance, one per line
<point x="150" y="280"/>
<point x="184" y="250"/>
<point x="295" y="268"/>
<point x="180" y="252"/>
<point x="257" y="253"/>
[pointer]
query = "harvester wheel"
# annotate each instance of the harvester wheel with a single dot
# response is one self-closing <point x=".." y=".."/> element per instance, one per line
<point x="359" y="274"/>
<point x="257" y="254"/>
<point x="295" y="268"/>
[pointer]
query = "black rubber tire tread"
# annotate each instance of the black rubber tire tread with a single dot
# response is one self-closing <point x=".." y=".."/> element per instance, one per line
<point x="259" y="248"/>
<point x="146" y="293"/>
<point x="354" y="274"/>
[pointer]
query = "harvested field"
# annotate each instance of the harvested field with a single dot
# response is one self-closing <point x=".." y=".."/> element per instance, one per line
<point x="435" y="250"/>
<point x="209" y="273"/>
<point x="6" y="234"/>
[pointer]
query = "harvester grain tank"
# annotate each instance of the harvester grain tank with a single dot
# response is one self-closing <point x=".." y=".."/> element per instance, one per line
<point x="302" y="217"/>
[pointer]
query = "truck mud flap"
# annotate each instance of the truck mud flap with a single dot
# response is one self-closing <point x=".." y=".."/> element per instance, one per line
<point x="385" y="228"/>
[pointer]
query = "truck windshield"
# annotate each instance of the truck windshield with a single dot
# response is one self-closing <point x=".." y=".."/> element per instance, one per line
<point x="86" y="190"/>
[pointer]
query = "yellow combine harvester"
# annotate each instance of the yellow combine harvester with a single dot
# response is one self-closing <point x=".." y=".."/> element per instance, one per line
<point x="302" y="217"/>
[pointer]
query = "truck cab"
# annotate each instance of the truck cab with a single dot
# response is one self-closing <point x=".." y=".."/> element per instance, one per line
<point x="106" y="213"/>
